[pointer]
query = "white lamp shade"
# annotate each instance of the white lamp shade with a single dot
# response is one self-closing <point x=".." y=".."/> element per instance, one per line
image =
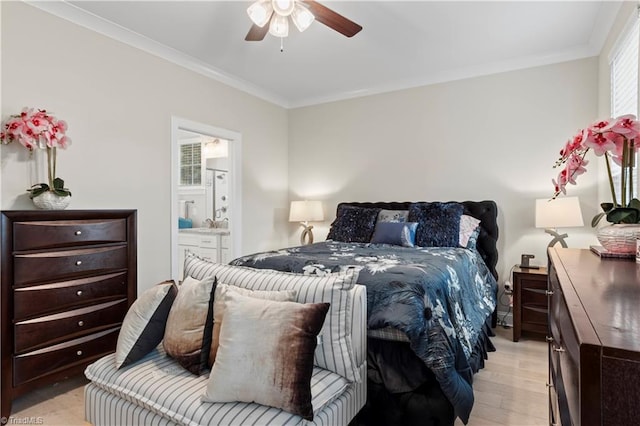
<point x="260" y="12"/>
<point x="306" y="211"/>
<point x="283" y="7"/>
<point x="561" y="212"/>
<point x="279" y="26"/>
<point x="302" y="17"/>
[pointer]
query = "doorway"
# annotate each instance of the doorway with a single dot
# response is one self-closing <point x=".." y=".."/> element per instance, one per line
<point x="185" y="193"/>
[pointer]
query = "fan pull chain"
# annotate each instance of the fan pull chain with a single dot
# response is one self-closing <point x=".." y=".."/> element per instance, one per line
<point x="281" y="44"/>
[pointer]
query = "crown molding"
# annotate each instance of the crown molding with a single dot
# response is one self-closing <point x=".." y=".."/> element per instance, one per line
<point x="71" y="13"/>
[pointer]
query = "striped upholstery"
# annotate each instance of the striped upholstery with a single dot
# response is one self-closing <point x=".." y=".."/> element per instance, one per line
<point x="103" y="408"/>
<point x="335" y="351"/>
<point x="157" y="391"/>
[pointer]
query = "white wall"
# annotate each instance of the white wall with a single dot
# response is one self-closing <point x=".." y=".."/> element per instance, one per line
<point x="487" y="138"/>
<point x="118" y="102"/>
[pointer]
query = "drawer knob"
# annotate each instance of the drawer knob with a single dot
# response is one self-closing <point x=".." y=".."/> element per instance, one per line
<point x="80" y="323"/>
<point x="78" y="232"/>
<point x="78" y="262"/>
<point x="549" y="292"/>
<point x="79" y="353"/>
<point x="79" y="292"/>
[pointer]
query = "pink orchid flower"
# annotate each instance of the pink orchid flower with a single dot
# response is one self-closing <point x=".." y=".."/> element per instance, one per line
<point x="575" y="167"/>
<point x="574" y="144"/>
<point x="605" y="137"/>
<point x="599" y="143"/>
<point x="625" y="125"/>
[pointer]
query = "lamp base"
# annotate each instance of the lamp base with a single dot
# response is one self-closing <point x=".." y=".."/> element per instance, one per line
<point x="307" y="235"/>
<point x="557" y="238"/>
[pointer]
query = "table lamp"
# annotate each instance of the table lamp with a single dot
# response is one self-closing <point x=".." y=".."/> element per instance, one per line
<point x="305" y="212"/>
<point x="561" y="212"/>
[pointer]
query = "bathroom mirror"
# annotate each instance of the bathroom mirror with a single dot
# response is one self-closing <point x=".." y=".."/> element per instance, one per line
<point x="206" y="192"/>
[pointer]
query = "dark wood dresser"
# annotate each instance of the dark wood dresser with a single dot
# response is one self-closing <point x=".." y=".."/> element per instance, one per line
<point x="594" y="343"/>
<point x="68" y="278"/>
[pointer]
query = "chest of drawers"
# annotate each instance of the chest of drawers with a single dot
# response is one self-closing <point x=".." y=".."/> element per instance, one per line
<point x="67" y="280"/>
<point x="594" y="342"/>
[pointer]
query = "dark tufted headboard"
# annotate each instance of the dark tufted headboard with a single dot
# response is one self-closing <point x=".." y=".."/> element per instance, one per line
<point x="486" y="211"/>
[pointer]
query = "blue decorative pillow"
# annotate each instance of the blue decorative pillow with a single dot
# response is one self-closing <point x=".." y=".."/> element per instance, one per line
<point x="396" y="233"/>
<point x="353" y="224"/>
<point x="438" y="223"/>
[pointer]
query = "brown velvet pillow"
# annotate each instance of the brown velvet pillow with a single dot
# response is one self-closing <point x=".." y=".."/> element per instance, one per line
<point x="219" y="307"/>
<point x="187" y="335"/>
<point x="266" y="353"/>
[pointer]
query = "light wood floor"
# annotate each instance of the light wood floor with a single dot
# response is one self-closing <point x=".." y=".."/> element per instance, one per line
<point x="510" y="390"/>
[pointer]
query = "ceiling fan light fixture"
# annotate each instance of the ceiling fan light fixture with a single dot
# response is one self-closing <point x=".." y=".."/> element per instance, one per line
<point x="260" y="12"/>
<point x="279" y="26"/>
<point x="283" y="7"/>
<point x="302" y="17"/>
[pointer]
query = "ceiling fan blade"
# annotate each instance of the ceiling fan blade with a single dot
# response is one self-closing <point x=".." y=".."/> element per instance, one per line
<point x="257" y="33"/>
<point x="332" y="19"/>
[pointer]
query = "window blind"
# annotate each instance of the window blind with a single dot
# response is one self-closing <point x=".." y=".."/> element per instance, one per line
<point x="624" y="87"/>
<point x="190" y="164"/>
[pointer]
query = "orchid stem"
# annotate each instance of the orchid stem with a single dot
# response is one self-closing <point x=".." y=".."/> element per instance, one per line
<point x="613" y="191"/>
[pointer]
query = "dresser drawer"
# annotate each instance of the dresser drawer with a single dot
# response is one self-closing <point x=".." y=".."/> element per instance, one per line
<point x="534" y="315"/>
<point x="49" y="329"/>
<point x="568" y="351"/>
<point x="534" y="296"/>
<point x="36" y="300"/>
<point x="537" y="282"/>
<point x="38" y="363"/>
<point x="49" y="266"/>
<point x="59" y="233"/>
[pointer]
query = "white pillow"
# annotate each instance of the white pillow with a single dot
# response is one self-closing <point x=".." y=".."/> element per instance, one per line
<point x="468" y="224"/>
<point x="266" y="353"/>
<point x="219" y="307"/>
<point x="335" y="350"/>
<point x="143" y="326"/>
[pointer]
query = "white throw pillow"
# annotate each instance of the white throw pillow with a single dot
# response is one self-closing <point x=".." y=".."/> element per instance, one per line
<point x="266" y="353"/>
<point x="468" y="224"/>
<point x="335" y="350"/>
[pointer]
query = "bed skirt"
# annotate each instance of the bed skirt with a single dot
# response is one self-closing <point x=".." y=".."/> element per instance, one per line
<point x="403" y="391"/>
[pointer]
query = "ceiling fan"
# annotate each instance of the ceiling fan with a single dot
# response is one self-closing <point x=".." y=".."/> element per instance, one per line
<point x="302" y="13"/>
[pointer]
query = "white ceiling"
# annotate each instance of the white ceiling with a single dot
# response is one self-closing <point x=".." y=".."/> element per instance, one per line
<point x="403" y="44"/>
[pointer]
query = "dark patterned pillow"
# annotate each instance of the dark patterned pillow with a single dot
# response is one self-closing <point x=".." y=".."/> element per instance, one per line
<point x="438" y="223"/>
<point x="353" y="224"/>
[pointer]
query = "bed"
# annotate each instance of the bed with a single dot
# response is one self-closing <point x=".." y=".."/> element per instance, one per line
<point x="430" y="307"/>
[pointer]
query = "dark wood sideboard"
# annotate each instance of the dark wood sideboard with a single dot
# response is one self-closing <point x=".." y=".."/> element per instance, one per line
<point x="594" y="341"/>
<point x="67" y="280"/>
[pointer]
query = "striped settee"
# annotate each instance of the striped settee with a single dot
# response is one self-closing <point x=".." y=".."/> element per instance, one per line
<point x="158" y="391"/>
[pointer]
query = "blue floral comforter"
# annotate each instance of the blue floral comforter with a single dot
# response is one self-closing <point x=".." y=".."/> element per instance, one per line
<point x="439" y="297"/>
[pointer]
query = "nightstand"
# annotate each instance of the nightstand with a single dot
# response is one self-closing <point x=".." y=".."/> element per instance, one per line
<point x="530" y="302"/>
